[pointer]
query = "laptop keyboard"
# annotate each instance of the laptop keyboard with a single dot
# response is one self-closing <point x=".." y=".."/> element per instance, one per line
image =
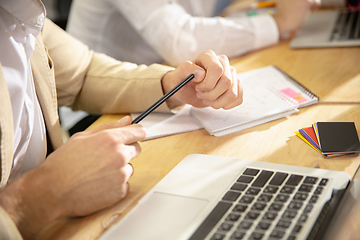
<point x="263" y="204"/>
<point x="347" y="27"/>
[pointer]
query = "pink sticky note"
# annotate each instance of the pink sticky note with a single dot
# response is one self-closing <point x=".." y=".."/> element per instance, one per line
<point x="294" y="95"/>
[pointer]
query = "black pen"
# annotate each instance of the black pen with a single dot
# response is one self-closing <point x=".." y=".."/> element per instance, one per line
<point x="163" y="99"/>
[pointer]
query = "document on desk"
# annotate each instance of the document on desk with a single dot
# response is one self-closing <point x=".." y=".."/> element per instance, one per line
<point x="165" y="124"/>
<point x="269" y="94"/>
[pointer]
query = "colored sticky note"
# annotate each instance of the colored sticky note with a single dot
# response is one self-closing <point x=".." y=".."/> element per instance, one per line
<point x="294" y="95"/>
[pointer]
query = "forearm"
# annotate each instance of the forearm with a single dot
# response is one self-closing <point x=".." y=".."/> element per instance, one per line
<point x="30" y="203"/>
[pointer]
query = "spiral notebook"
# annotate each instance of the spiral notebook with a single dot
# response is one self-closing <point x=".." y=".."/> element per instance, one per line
<point x="269" y="94"/>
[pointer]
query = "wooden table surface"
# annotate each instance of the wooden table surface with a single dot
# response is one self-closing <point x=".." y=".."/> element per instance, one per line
<point x="332" y="73"/>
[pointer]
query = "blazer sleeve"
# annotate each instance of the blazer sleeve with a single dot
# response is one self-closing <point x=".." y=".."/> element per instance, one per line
<point x="97" y="83"/>
<point x="8" y="229"/>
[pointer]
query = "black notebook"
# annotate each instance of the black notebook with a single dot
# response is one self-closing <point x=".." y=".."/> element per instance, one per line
<point x="337" y="137"/>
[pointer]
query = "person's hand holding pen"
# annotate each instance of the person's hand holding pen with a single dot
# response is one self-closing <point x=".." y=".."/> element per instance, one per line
<point x="215" y="83"/>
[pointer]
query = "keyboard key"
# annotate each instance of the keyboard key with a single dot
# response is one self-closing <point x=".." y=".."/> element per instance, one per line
<point x="231" y="196"/>
<point x="308" y="208"/>
<point x="313" y="199"/>
<point x="276" y="207"/>
<point x="302" y="218"/>
<point x="256" y="236"/>
<point x="278" y="178"/>
<point x="245" y="179"/>
<point x="277" y="234"/>
<point x="258" y="206"/>
<point x="301" y="196"/>
<point x="246" y="199"/>
<point x="283" y="224"/>
<point x="239" y="208"/>
<point x="253" y="191"/>
<point x="251" y="171"/>
<point x="237" y="235"/>
<point x="318" y="190"/>
<point x="263" y="225"/>
<point x="245" y="225"/>
<point x="270" y="189"/>
<point x="323" y="182"/>
<point x="211" y="220"/>
<point x="239" y="187"/>
<point x="233" y="217"/>
<point x="291" y="238"/>
<point x="218" y="236"/>
<point x="225" y="227"/>
<point x="265" y="198"/>
<point x="311" y="180"/>
<point x="287" y="190"/>
<point x="269" y="216"/>
<point x="252" y="215"/>
<point x="281" y="198"/>
<point x="295" y="205"/>
<point x="289" y="214"/>
<point x="305" y="188"/>
<point x="262" y="178"/>
<point x="297" y="228"/>
<point x="294" y="180"/>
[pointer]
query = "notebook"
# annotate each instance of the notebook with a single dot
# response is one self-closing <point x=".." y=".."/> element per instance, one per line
<point x="269" y="94"/>
<point x="329" y="29"/>
<point x="210" y="197"/>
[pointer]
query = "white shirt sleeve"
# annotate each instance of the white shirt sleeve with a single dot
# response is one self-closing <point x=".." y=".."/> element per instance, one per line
<point x="177" y="36"/>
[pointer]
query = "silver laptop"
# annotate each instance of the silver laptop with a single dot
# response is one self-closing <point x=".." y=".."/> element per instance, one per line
<point x="209" y="197"/>
<point x="329" y="29"/>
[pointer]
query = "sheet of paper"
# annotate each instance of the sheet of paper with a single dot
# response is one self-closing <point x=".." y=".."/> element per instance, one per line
<point x="165" y="124"/>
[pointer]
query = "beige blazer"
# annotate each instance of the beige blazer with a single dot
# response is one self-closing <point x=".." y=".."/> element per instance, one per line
<point x="67" y="73"/>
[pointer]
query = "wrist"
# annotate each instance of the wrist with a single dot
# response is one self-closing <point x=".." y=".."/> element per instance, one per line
<point x="30" y="203"/>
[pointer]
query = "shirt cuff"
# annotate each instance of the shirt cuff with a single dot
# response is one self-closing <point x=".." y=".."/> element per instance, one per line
<point x="265" y="30"/>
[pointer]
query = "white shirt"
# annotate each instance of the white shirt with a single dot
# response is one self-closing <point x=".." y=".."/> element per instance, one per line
<point x="20" y="23"/>
<point x="144" y="31"/>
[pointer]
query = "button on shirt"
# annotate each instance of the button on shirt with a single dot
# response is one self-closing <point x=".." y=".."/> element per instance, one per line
<point x="20" y="24"/>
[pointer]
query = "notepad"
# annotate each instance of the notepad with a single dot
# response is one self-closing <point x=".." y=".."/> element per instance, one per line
<point x="164" y="124"/>
<point x="269" y="94"/>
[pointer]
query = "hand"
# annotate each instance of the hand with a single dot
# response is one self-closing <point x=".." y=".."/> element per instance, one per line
<point x="290" y="14"/>
<point x="215" y="84"/>
<point x="88" y="173"/>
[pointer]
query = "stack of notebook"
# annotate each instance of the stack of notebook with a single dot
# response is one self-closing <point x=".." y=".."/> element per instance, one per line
<point x="331" y="139"/>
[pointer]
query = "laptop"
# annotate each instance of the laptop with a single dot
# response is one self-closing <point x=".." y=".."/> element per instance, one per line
<point x="329" y="29"/>
<point x="216" y="198"/>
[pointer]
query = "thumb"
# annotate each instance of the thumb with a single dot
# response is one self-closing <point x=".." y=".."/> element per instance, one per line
<point x="199" y="75"/>
<point x="125" y="121"/>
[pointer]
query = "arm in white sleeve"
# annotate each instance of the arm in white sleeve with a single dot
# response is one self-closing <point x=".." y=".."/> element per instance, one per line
<point x="178" y="36"/>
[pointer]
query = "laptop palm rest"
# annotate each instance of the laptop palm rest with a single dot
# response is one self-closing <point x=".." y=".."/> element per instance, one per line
<point x="161" y="216"/>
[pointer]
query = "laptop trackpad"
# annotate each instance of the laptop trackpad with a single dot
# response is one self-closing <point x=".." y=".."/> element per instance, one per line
<point x="161" y="216"/>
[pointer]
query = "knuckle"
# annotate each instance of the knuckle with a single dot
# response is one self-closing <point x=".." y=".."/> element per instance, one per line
<point x="226" y="81"/>
<point x="209" y="52"/>
<point x="224" y="58"/>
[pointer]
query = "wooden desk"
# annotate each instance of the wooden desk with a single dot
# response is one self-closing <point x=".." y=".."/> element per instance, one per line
<point x="334" y="74"/>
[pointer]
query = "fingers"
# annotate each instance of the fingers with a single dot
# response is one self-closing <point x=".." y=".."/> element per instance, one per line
<point x="221" y="91"/>
<point x="125" y="121"/>
<point x="126" y="172"/>
<point x="214" y="70"/>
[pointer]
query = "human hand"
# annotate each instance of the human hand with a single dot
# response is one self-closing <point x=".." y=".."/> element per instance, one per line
<point x="93" y="166"/>
<point x="290" y="15"/>
<point x="215" y="84"/>
<point x="88" y="173"/>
